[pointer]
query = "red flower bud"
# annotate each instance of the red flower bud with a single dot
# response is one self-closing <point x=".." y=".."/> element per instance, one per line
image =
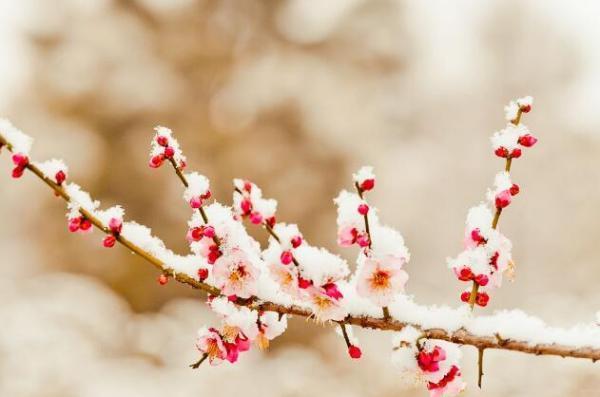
<point x="514" y="189"/>
<point x="465" y="296"/>
<point x="256" y="218"/>
<point x="354" y="352"/>
<point x="169" y="152"/>
<point x="209" y="231"/>
<point x="363" y="209"/>
<point x="109" y="241"/>
<point x="304" y="283"/>
<point x="477" y="237"/>
<point x="60" y="177"/>
<point x="503" y="199"/>
<point x="115" y="225"/>
<point x="163" y="279"/>
<point x="515" y="153"/>
<point x="465" y="274"/>
<point x="482" y="279"/>
<point x="156" y="161"/>
<point x="270" y="221"/>
<point x="482" y="299"/>
<point x="296" y="241"/>
<point x="86" y="224"/>
<point x="246" y="206"/>
<point x="162" y="140"/>
<point x="367" y="184"/>
<point x="20" y="160"/>
<point x="17" y="172"/>
<point x="501" y="152"/>
<point x="286" y="257"/>
<point x="74" y="224"/>
<point x="525" y="108"/>
<point x="196" y="202"/>
<point x="202" y="274"/>
<point x="527" y="140"/>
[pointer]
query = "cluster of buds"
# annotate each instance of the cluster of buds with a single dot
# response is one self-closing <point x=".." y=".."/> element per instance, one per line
<point x="430" y="361"/>
<point x="249" y="203"/>
<point x="202" y="238"/>
<point x="115" y="225"/>
<point x="509" y="142"/>
<point x="165" y="147"/>
<point x="504" y="190"/>
<point x="241" y="327"/>
<point x="21" y="162"/>
<point x="80" y="224"/>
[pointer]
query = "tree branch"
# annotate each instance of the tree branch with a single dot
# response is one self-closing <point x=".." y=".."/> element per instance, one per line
<point x="461" y="336"/>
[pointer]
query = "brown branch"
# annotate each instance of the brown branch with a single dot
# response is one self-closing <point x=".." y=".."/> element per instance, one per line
<point x="460" y="336"/>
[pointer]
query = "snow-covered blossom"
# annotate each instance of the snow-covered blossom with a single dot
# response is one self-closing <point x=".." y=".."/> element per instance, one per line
<point x="165" y="147"/>
<point x="249" y="202"/>
<point x="380" y="278"/>
<point x="364" y="178"/>
<point x="511" y="111"/>
<point x="198" y="189"/>
<point x="209" y="342"/>
<point x="80" y="199"/>
<point x="55" y="170"/>
<point x="430" y="361"/>
<point x="235" y="275"/>
<point x="504" y="190"/>
<point x="350" y="220"/>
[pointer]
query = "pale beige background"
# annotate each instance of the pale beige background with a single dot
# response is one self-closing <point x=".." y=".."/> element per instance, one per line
<point x="294" y="95"/>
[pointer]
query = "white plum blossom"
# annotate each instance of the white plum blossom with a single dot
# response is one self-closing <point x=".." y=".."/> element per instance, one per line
<point x="236" y="275"/>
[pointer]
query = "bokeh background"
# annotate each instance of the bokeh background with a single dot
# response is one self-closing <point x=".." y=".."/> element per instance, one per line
<point x="294" y="95"/>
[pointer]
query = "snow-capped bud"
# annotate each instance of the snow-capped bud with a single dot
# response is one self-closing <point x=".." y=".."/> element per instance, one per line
<point x="109" y="241"/>
<point x="156" y="161"/>
<point x="332" y="291"/>
<point x="363" y="209"/>
<point x="514" y="189"/>
<point x="482" y="279"/>
<point x="354" y="351"/>
<point x="209" y="231"/>
<point x="169" y="152"/>
<point x="246" y="206"/>
<point x="17" y="172"/>
<point x="248" y="186"/>
<point x="202" y="274"/>
<point x="20" y="160"/>
<point x="286" y="257"/>
<point x="256" y="218"/>
<point x="296" y="241"/>
<point x="115" y="225"/>
<point x="270" y="221"/>
<point x="212" y="257"/>
<point x="362" y="240"/>
<point x="304" y="283"/>
<point x="162" y="140"/>
<point x="465" y="296"/>
<point x="501" y="152"/>
<point x="482" y="299"/>
<point x="515" y="153"/>
<point x="196" y="202"/>
<point x="195" y="234"/>
<point x="74" y="224"/>
<point x="60" y="177"/>
<point x="163" y="279"/>
<point x="86" y="224"/>
<point x="503" y="199"/>
<point x="465" y="274"/>
<point x="367" y="184"/>
<point x="527" y="140"/>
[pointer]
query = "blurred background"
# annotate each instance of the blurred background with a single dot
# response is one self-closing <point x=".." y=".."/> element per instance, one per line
<point x="293" y="95"/>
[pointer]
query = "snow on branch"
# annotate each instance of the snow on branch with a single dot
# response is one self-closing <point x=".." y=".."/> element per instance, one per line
<point x="252" y="290"/>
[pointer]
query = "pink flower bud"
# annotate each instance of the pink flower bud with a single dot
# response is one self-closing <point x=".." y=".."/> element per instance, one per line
<point x="195" y="234"/>
<point x="17" y="172"/>
<point x="465" y="296"/>
<point x="169" y="152"/>
<point x="514" y="189"/>
<point x="156" y="161"/>
<point x="286" y="257"/>
<point x="515" y="153"/>
<point x="501" y="152"/>
<point x="163" y="279"/>
<point x="74" y="224"/>
<point x="20" y="160"/>
<point x="162" y="140"/>
<point x="206" y="195"/>
<point x="304" y="283"/>
<point x="465" y="274"/>
<point x="296" y="241"/>
<point x="525" y="108"/>
<point x="477" y="237"/>
<point x="482" y="279"/>
<point x="362" y="240"/>
<point x="109" y="241"/>
<point x="256" y="218"/>
<point x="246" y="206"/>
<point x="354" y="352"/>
<point x="115" y="225"/>
<point x="212" y="257"/>
<point x="202" y="274"/>
<point x="332" y="291"/>
<point x="195" y="202"/>
<point x="85" y="225"/>
<point x="503" y="199"/>
<point x="270" y="221"/>
<point x="367" y="184"/>
<point x="363" y="209"/>
<point x="209" y="231"/>
<point x="527" y="140"/>
<point x="60" y="177"/>
<point x="482" y="299"/>
<point x="248" y="186"/>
